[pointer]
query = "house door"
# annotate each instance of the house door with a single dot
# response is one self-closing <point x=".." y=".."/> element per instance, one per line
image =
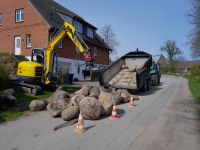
<point x="18" y="45"/>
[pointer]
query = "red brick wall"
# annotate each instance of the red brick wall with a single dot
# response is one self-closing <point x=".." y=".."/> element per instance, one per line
<point x="33" y="24"/>
<point x="69" y="51"/>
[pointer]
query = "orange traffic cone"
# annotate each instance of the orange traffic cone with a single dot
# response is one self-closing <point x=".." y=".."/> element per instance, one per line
<point x="80" y="125"/>
<point x="131" y="104"/>
<point x="114" y="115"/>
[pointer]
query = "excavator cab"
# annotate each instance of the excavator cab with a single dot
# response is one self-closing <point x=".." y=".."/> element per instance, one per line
<point x="38" y="56"/>
<point x="32" y="71"/>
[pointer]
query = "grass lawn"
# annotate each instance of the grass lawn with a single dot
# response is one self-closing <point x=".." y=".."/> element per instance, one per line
<point x="14" y="113"/>
<point x="194" y="84"/>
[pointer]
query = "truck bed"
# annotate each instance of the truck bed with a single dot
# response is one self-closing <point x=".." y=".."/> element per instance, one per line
<point x="128" y="72"/>
<point x="126" y="78"/>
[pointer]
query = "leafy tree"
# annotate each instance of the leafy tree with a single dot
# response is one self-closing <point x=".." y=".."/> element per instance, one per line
<point x="173" y="52"/>
<point x="109" y="37"/>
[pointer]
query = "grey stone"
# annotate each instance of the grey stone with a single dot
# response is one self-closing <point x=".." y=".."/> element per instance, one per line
<point x="107" y="101"/>
<point x="125" y="95"/>
<point x="94" y="92"/>
<point x="70" y="113"/>
<point x="54" y="109"/>
<point x="90" y="108"/>
<point x="75" y="100"/>
<point x="37" y="105"/>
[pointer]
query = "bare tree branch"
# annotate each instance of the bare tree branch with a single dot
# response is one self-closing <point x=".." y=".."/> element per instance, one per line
<point x="194" y="16"/>
<point x="109" y="37"/>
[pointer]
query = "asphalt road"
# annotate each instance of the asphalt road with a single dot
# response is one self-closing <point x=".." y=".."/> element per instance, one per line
<point x="164" y="118"/>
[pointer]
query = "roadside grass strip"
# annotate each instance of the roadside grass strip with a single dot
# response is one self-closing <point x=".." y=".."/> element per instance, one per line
<point x="194" y="84"/>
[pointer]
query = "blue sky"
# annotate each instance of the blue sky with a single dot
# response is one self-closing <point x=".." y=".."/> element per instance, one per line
<point x="143" y="24"/>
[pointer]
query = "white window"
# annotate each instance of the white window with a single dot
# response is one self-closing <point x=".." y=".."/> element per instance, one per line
<point x="28" y="40"/>
<point x="90" y="32"/>
<point x="19" y="15"/>
<point x="60" y="44"/>
<point x="78" y="26"/>
<point x="66" y="18"/>
<point x="1" y="19"/>
<point x="94" y="51"/>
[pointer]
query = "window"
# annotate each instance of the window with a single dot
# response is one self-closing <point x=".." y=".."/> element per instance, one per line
<point x="19" y="15"/>
<point x="60" y="44"/>
<point x="90" y="32"/>
<point x="1" y="19"/>
<point x="94" y="51"/>
<point x="78" y="26"/>
<point x="28" y="40"/>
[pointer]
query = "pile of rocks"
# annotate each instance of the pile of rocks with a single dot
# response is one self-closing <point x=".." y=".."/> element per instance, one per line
<point x="92" y="101"/>
<point x="126" y="77"/>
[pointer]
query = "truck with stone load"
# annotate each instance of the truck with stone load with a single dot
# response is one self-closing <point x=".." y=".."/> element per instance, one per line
<point x="131" y="72"/>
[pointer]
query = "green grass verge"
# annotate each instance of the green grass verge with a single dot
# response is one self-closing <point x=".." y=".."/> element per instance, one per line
<point x="194" y="84"/>
<point x="10" y="114"/>
<point x="14" y="113"/>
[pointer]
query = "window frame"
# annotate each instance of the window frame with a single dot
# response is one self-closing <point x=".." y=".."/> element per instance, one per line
<point x="90" y="32"/>
<point x="78" y="26"/>
<point x="28" y="43"/>
<point x="20" y="15"/>
<point x="1" y="18"/>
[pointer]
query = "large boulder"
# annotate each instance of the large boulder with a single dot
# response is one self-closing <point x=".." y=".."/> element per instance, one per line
<point x="54" y="109"/>
<point x="7" y="99"/>
<point x="9" y="91"/>
<point x="90" y="108"/>
<point x="37" y="105"/>
<point x="85" y="90"/>
<point x="59" y="95"/>
<point x="107" y="101"/>
<point x="125" y="95"/>
<point x="117" y="97"/>
<point x="94" y="92"/>
<point x="59" y="101"/>
<point x="70" y="113"/>
<point x="75" y="100"/>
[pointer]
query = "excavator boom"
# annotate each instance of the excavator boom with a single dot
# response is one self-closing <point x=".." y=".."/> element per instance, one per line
<point x="66" y="30"/>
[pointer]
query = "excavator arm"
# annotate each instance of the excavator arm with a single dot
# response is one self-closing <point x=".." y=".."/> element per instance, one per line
<point x="66" y="30"/>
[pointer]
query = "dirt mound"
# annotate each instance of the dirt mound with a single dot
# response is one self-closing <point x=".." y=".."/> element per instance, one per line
<point x="10" y="62"/>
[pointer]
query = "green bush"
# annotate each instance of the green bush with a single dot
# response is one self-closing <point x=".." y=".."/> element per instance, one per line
<point x="195" y="71"/>
<point x="4" y="78"/>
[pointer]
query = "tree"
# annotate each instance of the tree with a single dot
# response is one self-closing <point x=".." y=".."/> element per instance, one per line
<point x="109" y="37"/>
<point x="195" y="33"/>
<point x="172" y="51"/>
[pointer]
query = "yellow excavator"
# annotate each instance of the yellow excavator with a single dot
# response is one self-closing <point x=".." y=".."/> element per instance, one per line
<point x="38" y="72"/>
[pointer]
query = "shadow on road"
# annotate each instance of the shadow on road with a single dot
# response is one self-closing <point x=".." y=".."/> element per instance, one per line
<point x="89" y="127"/>
<point x="153" y="89"/>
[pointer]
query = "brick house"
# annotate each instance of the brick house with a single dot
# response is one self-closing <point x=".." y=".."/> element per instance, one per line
<point x="27" y="24"/>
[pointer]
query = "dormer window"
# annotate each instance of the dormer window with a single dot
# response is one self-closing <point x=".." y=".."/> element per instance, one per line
<point x="78" y="26"/>
<point x="90" y="33"/>
<point x="19" y="15"/>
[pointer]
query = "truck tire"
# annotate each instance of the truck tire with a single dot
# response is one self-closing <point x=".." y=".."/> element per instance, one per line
<point x="155" y="79"/>
<point x="144" y="88"/>
<point x="148" y="85"/>
<point x="159" y="80"/>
